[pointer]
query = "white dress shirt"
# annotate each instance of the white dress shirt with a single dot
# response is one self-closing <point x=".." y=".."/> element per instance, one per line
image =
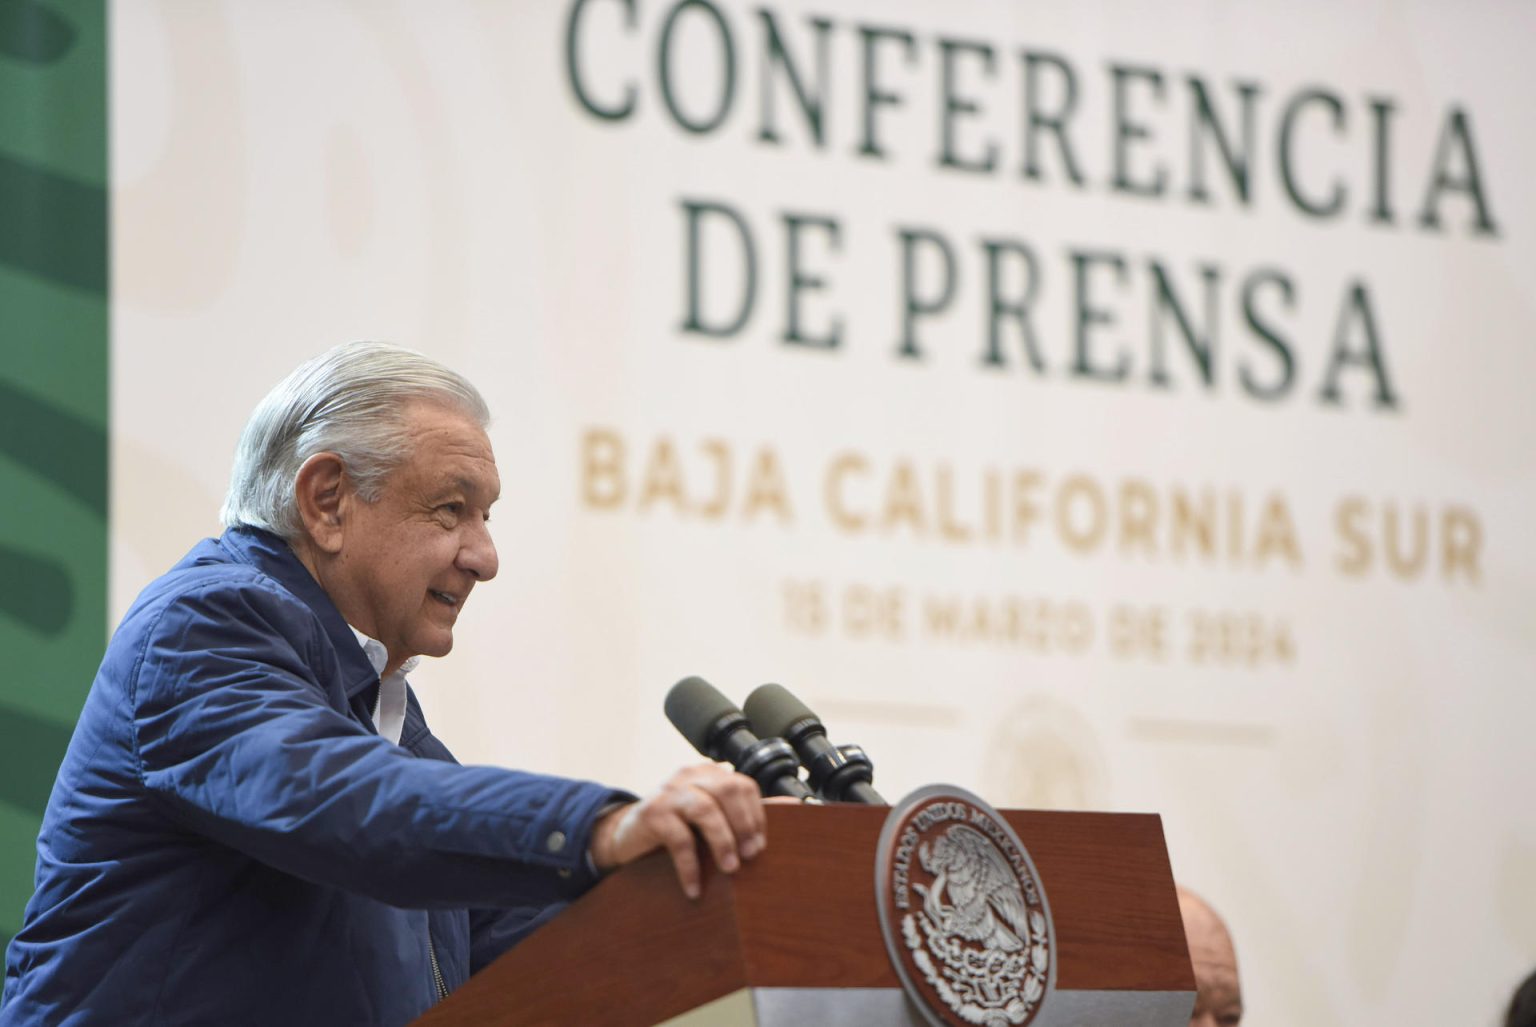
<point x="389" y="709"/>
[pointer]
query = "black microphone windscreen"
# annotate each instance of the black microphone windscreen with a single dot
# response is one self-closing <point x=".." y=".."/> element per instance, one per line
<point x="772" y="709"/>
<point x="694" y="706"/>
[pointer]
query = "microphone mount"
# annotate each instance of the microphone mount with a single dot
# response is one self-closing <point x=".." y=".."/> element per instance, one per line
<point x="838" y="773"/>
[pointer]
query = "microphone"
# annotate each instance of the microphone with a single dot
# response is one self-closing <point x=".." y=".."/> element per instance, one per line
<point x="714" y="726"/>
<point x="838" y="773"/>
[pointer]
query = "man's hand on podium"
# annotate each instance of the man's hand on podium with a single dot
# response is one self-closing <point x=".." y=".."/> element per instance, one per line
<point x="724" y="807"/>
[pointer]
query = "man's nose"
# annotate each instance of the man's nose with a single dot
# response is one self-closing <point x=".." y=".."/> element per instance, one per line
<point x="478" y="554"/>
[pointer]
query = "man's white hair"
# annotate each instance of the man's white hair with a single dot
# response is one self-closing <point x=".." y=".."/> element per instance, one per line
<point x="349" y="401"/>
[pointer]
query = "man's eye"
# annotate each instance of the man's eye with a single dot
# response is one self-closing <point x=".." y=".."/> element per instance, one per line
<point x="451" y="509"/>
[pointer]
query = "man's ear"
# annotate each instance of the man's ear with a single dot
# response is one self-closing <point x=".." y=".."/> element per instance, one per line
<point x="321" y="489"/>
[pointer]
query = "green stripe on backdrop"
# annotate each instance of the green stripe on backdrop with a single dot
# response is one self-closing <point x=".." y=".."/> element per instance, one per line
<point x="53" y="402"/>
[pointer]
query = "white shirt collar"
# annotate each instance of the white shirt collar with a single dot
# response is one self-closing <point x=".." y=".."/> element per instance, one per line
<point x="389" y="711"/>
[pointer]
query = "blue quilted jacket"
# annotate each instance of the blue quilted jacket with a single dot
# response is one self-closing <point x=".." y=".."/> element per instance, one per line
<point x="229" y="841"/>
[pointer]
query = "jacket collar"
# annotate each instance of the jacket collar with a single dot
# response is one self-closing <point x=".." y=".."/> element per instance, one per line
<point x="271" y="555"/>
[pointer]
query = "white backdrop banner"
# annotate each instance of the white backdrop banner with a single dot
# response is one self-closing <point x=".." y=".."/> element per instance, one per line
<point x="1113" y="406"/>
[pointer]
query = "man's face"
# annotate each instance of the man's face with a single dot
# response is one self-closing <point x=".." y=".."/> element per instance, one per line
<point x="409" y="560"/>
<point x="1218" y="996"/>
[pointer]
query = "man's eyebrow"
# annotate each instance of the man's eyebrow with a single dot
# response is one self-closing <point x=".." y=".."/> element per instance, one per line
<point x="469" y="488"/>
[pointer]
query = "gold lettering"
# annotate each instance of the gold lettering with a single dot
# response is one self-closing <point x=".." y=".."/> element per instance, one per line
<point x="1234" y="526"/>
<point x="1461" y="544"/>
<point x="1276" y="533"/>
<point x="949" y="527"/>
<point x="602" y="469"/>
<point x="720" y="454"/>
<point x="839" y="469"/>
<point x="942" y="616"/>
<point x="1025" y="510"/>
<point x="663" y="478"/>
<point x="765" y="488"/>
<point x="904" y="502"/>
<point x="1192" y="525"/>
<point x="1138" y="517"/>
<point x="1356" y="559"/>
<point x="1084" y="539"/>
<point x="990" y="503"/>
<point x="1410" y="564"/>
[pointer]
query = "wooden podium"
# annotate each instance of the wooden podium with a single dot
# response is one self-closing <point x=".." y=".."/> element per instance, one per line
<point x="794" y="937"/>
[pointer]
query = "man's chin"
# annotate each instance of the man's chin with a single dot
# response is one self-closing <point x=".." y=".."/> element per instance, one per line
<point x="438" y="645"/>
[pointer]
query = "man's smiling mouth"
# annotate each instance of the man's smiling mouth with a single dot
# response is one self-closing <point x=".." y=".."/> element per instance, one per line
<point x="443" y="597"/>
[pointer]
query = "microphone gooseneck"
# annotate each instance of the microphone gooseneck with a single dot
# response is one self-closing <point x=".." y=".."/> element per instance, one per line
<point x="838" y="773"/>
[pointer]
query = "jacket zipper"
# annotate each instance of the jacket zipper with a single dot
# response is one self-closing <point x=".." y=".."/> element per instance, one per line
<point x="437" y="973"/>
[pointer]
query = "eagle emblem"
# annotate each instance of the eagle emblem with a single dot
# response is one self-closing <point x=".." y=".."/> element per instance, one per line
<point x="986" y="903"/>
<point x="964" y="915"/>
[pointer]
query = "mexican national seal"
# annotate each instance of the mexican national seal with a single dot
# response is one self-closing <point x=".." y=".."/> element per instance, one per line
<point x="963" y="912"/>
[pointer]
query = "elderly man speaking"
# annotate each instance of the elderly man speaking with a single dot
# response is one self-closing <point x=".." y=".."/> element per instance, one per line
<point x="253" y="823"/>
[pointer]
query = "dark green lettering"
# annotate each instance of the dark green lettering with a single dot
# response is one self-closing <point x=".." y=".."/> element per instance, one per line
<point x="626" y="107"/>
<point x="951" y="105"/>
<point x="876" y="97"/>
<point x="1381" y="138"/>
<point x="1037" y="119"/>
<point x="1087" y="316"/>
<point x="999" y="307"/>
<point x="914" y="305"/>
<point x="695" y="322"/>
<point x="1300" y="102"/>
<point x="727" y="88"/>
<point x="1267" y="334"/>
<point x="1205" y="125"/>
<point x="800" y="281"/>
<point x="1201" y="346"/>
<point x="1128" y="130"/>
<point x="810" y="100"/>
<point x="1457" y="136"/>
<point x="1357" y="307"/>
